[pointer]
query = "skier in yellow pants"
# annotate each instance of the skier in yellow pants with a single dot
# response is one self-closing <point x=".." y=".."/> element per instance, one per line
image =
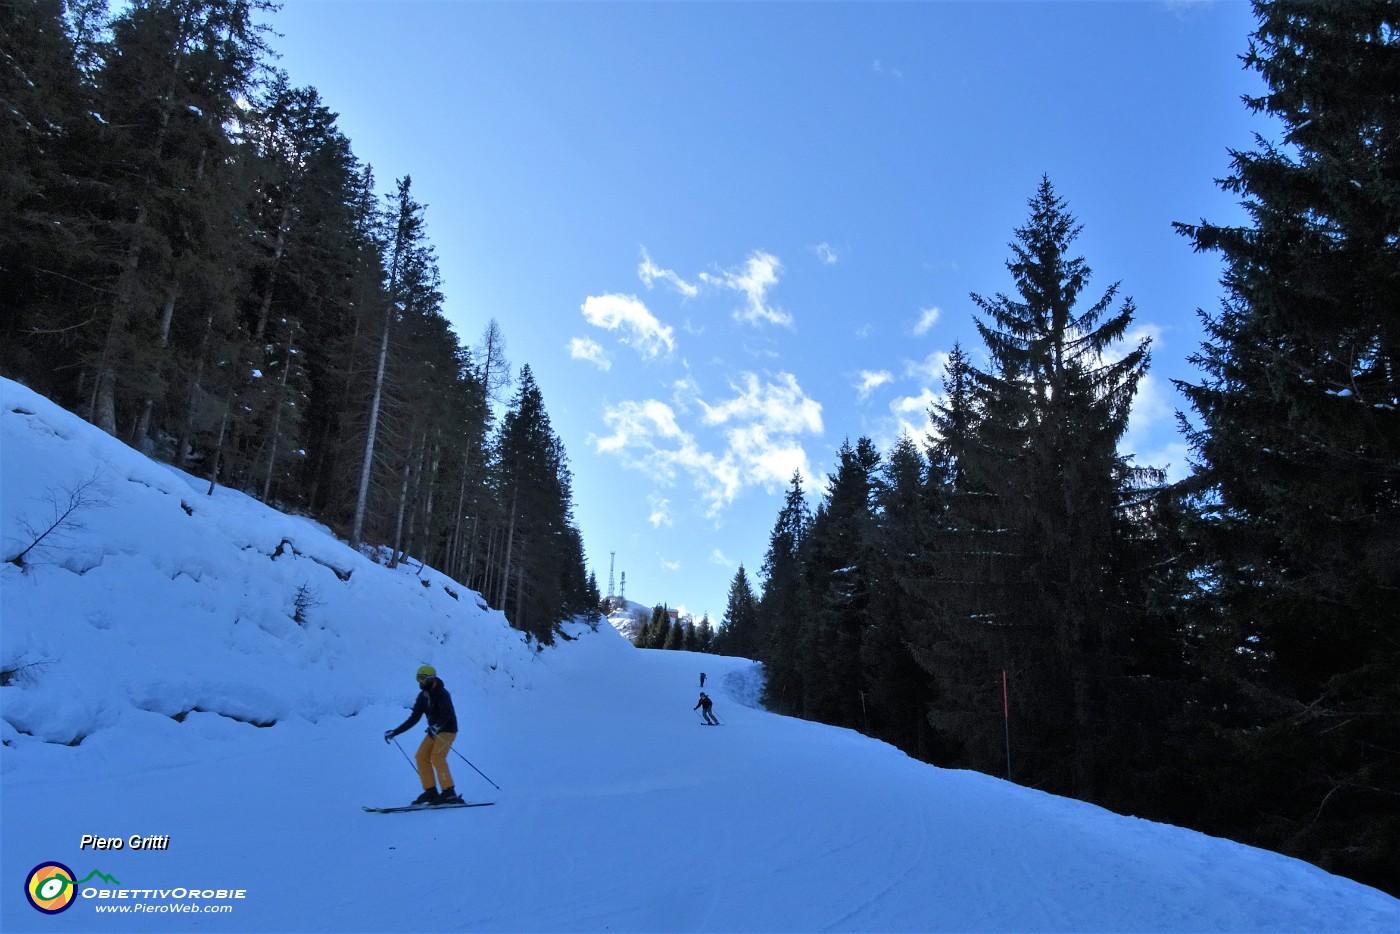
<point x="434" y="702"/>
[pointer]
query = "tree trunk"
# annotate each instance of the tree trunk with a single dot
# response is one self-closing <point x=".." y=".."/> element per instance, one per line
<point x="395" y="555"/>
<point x="187" y="428"/>
<point x="141" y="435"/>
<point x="510" y="543"/>
<point x="219" y="447"/>
<point x="276" y="426"/>
<point x="362" y="492"/>
<point x="266" y="305"/>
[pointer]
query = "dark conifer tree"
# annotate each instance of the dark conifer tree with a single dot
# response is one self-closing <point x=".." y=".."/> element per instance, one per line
<point x="705" y="634"/>
<point x="658" y="628"/>
<point x="168" y="93"/>
<point x="957" y="573"/>
<point x="739" y="632"/>
<point x="784" y="604"/>
<point x="412" y="273"/>
<point x="537" y="566"/>
<point x="1053" y="409"/>
<point x="48" y="238"/>
<point x="897" y="689"/>
<point x="1299" y="435"/>
<point x="838" y="559"/>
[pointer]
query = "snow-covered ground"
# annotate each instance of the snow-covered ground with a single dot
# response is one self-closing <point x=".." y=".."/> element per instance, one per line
<point x="628" y="617"/>
<point x="147" y="647"/>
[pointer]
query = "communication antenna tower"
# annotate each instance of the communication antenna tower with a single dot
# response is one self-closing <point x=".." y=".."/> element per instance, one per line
<point x="612" y="560"/>
<point x="622" y="595"/>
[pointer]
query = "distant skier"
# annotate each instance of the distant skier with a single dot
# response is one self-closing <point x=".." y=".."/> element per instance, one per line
<point x="702" y="679"/>
<point x="434" y="701"/>
<point x="703" y="705"/>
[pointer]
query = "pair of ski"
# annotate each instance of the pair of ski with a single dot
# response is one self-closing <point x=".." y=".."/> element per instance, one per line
<point x="428" y="807"/>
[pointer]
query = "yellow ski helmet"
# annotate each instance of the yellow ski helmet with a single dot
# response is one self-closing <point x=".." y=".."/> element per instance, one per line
<point x="426" y="671"/>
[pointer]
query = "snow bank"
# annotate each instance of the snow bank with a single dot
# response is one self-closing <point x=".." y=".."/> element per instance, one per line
<point x="156" y="598"/>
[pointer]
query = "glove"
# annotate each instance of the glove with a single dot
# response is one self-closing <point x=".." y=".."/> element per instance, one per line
<point x="389" y="736"/>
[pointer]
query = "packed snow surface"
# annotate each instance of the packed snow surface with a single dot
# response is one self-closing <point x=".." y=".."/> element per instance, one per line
<point x="159" y="686"/>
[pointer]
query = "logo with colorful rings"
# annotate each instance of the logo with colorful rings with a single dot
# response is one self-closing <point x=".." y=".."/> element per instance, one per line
<point x="50" y="888"/>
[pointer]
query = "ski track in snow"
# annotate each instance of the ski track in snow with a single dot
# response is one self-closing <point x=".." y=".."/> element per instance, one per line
<point x="159" y="636"/>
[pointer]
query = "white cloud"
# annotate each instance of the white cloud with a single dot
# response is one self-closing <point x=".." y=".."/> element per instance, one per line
<point x="781" y="406"/>
<point x="720" y="558"/>
<point x="636" y="423"/>
<point x="870" y="380"/>
<point x="911" y="417"/>
<point x="758" y="440"/>
<point x="928" y="317"/>
<point x="826" y="254"/>
<point x="581" y="348"/>
<point x="626" y="313"/>
<point x="758" y="274"/>
<point x="917" y="404"/>
<point x="649" y="272"/>
<point x="660" y="511"/>
<point x="1152" y="436"/>
<point x="670" y="566"/>
<point x="929" y="370"/>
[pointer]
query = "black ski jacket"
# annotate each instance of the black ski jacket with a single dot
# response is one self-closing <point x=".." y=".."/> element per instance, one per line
<point x="703" y="702"/>
<point x="434" y="701"/>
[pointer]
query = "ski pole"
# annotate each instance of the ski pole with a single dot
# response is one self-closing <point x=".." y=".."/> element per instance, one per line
<point x="405" y="755"/>
<point x="478" y="771"/>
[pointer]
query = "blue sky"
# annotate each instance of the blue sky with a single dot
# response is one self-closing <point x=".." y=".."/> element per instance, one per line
<point x="726" y="236"/>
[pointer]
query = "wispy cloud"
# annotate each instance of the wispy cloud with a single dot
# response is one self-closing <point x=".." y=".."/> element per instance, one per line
<point x="870" y="380"/>
<point x="581" y="348"/>
<point x="881" y="67"/>
<point x="639" y="327"/>
<point x="660" y="511"/>
<point x="929" y="370"/>
<point x="826" y="254"/>
<point x="1152" y="436"/>
<point x="754" y="279"/>
<point x="753" y="438"/>
<point x="911" y="416"/>
<point x="928" y="317"/>
<point x="649" y="272"/>
<point x="720" y="558"/>
<point x="781" y="406"/>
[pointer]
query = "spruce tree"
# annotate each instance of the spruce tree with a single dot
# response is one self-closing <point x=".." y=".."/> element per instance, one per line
<point x="168" y="92"/>
<point x="838" y="566"/>
<point x="658" y="628"/>
<point x="897" y="689"/>
<point x="784" y="604"/>
<point x="958" y="544"/>
<point x="1298" y="434"/>
<point x="48" y="236"/>
<point x="541" y="569"/>
<point x="738" y="634"/>
<point x="406" y="264"/>
<point x="1053" y="407"/>
<point x="704" y="635"/>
